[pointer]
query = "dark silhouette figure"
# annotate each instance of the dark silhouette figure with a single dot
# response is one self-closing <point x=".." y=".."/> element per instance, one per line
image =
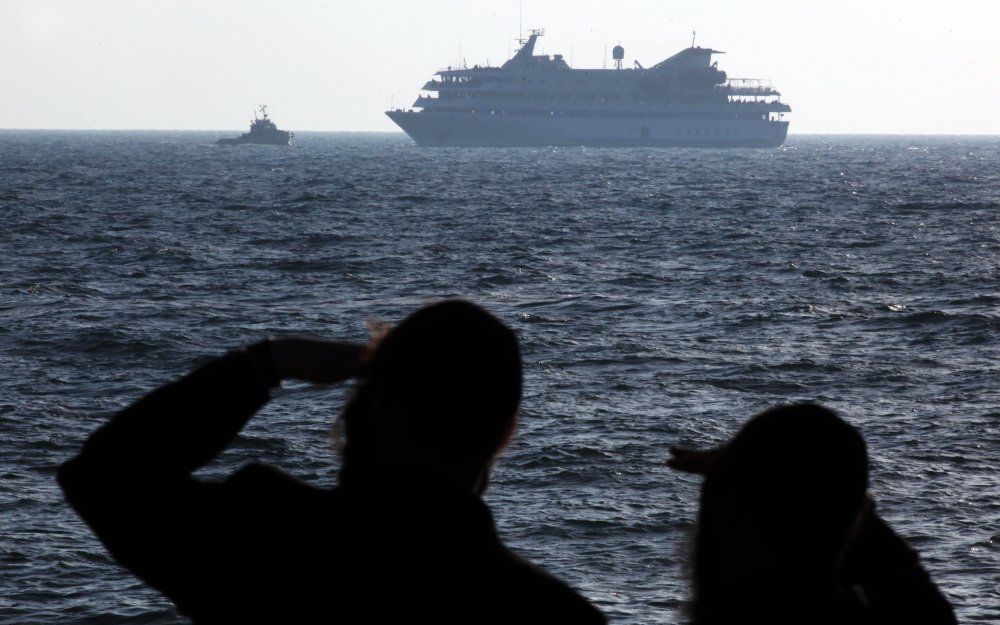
<point x="787" y="534"/>
<point x="404" y="538"/>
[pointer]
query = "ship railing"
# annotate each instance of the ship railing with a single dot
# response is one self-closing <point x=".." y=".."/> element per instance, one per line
<point x="441" y="85"/>
<point x="755" y="87"/>
<point x="462" y="71"/>
<point x="518" y="108"/>
<point x="749" y="82"/>
<point x="486" y="98"/>
<point x="751" y="91"/>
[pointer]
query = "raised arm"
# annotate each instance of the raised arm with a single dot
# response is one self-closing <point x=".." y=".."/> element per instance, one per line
<point x="175" y="429"/>
<point x="132" y="480"/>
<point x="181" y="426"/>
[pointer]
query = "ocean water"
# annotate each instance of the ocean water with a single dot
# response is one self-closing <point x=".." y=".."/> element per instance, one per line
<point x="661" y="297"/>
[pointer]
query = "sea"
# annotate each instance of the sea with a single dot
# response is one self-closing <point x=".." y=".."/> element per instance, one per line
<point x="661" y="297"/>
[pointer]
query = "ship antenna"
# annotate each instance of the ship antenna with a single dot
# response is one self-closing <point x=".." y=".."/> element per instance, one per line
<point x="520" y="19"/>
<point x="694" y="35"/>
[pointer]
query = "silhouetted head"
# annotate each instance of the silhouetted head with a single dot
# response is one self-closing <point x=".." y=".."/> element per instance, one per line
<point x="441" y="391"/>
<point x="799" y="460"/>
<point x="777" y="506"/>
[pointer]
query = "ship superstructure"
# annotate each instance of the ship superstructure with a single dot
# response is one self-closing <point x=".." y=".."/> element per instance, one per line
<point x="539" y="100"/>
<point x="263" y="131"/>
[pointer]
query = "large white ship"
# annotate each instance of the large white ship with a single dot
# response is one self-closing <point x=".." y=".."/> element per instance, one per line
<point x="538" y="100"/>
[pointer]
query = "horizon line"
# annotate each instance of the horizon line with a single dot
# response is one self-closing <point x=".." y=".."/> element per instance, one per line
<point x="400" y="132"/>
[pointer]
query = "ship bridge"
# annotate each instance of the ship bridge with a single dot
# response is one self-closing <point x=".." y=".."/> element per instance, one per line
<point x="689" y="58"/>
<point x="526" y="57"/>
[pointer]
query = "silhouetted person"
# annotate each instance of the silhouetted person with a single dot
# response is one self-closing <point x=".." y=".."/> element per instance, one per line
<point x="787" y="534"/>
<point x="405" y="538"/>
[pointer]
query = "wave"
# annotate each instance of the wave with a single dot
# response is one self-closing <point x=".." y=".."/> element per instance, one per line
<point x="947" y="205"/>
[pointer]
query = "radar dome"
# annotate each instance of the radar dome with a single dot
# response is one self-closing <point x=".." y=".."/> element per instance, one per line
<point x="618" y="53"/>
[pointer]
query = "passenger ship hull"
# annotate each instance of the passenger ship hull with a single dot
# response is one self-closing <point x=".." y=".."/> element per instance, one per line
<point x="500" y="130"/>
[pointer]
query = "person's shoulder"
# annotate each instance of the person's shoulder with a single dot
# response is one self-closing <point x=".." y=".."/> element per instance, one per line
<point x="547" y="597"/>
<point x="272" y="486"/>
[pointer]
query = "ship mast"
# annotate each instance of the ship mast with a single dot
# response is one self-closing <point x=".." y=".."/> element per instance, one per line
<point x="520" y="21"/>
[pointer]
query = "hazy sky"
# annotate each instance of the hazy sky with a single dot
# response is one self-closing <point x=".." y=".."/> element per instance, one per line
<point x="875" y="66"/>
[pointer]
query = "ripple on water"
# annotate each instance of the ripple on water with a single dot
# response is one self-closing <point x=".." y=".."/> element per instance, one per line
<point x="660" y="296"/>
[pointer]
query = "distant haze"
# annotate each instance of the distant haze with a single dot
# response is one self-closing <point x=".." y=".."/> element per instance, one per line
<point x="889" y="66"/>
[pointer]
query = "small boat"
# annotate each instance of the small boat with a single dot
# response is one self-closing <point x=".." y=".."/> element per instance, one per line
<point x="262" y="132"/>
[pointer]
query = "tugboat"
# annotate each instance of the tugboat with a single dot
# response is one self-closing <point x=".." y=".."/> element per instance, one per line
<point x="262" y="132"/>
